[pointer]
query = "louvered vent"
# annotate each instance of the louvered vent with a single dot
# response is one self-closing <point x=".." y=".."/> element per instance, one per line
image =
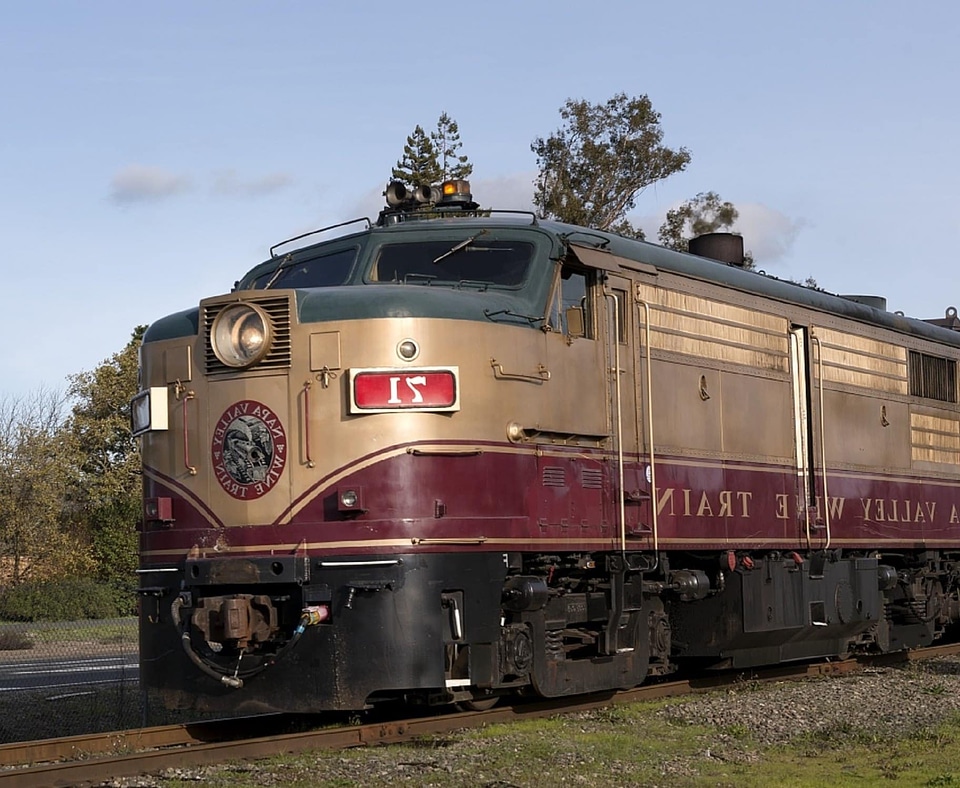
<point x="554" y="477"/>
<point x="591" y="479"/>
<point x="278" y="311"/>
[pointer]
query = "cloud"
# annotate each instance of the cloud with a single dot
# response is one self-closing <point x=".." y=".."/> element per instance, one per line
<point x="508" y="192"/>
<point x="141" y="183"/>
<point x="229" y="183"/>
<point x="767" y="233"/>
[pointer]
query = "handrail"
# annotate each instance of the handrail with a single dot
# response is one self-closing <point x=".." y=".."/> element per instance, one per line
<point x="306" y="424"/>
<point x="649" y="406"/>
<point x="801" y="416"/>
<point x="543" y="374"/>
<point x="823" y="440"/>
<point x="615" y="339"/>
<point x="189" y="395"/>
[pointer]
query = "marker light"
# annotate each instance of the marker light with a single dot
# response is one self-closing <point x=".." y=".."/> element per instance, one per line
<point x="148" y="411"/>
<point x="408" y="349"/>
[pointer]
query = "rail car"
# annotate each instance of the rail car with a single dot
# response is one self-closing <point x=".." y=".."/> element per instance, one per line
<point x="455" y="453"/>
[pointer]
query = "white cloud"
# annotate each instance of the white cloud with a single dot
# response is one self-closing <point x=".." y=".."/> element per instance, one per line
<point x="141" y="183"/>
<point x="228" y="182"/>
<point x="509" y="192"/>
<point x="766" y="232"/>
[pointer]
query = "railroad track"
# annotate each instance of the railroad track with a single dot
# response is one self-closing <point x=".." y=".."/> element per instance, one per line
<point x="93" y="759"/>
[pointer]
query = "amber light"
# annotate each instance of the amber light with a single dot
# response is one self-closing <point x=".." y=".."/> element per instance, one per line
<point x="451" y="188"/>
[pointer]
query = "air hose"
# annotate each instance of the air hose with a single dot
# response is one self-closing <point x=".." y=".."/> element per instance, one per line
<point x="308" y="617"/>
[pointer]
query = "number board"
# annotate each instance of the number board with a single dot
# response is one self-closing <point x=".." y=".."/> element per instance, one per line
<point x="385" y="390"/>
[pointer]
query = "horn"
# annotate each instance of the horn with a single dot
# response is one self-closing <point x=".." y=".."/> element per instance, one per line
<point x="396" y="194"/>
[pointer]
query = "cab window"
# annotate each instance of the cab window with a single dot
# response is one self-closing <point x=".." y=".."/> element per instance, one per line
<point x="327" y="270"/>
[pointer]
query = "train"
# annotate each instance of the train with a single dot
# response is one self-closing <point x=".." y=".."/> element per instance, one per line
<point x="456" y="453"/>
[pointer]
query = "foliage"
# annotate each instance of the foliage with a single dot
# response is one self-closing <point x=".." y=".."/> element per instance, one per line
<point x="106" y="486"/>
<point x="703" y="214"/>
<point x="418" y="166"/>
<point x="429" y="159"/>
<point x="593" y="168"/>
<point x="446" y="142"/>
<point x="35" y="466"/>
<point x="64" y="599"/>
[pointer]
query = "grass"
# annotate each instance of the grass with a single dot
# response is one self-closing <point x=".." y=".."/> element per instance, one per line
<point x="621" y="746"/>
<point x="101" y="631"/>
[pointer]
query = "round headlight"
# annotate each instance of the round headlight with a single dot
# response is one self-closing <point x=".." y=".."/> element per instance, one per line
<point x="240" y="335"/>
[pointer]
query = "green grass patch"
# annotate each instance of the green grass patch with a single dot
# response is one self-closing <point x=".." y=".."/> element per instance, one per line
<point x="624" y="745"/>
<point x="103" y="631"/>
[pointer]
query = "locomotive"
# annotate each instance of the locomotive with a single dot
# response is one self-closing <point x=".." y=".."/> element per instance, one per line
<point x="458" y="453"/>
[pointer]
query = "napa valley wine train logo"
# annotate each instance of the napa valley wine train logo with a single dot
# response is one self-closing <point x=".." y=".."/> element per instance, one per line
<point x="249" y="449"/>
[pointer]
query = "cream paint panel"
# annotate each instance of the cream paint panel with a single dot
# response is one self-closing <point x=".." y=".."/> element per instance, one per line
<point x="855" y="433"/>
<point x="325" y="350"/>
<point x="757" y="416"/>
<point x="177" y="364"/>
<point x="577" y="392"/>
<point x="682" y="420"/>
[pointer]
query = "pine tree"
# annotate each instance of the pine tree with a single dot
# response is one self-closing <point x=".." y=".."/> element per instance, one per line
<point x="446" y="142"/>
<point x="418" y="166"/>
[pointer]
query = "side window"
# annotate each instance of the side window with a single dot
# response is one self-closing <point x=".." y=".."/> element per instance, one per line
<point x="572" y="312"/>
<point x="621" y="315"/>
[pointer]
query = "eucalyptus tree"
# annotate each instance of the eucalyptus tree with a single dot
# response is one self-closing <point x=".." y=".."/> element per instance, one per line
<point x="593" y="168"/>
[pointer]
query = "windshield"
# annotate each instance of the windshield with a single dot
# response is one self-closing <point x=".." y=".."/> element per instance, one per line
<point x="326" y="271"/>
<point x="476" y="261"/>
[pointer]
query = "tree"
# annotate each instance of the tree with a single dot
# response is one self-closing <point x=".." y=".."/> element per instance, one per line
<point x="418" y="166"/>
<point x="446" y="142"/>
<point x="593" y="168"/>
<point x="36" y="462"/>
<point x="705" y="213"/>
<point x="429" y="159"/>
<point x="106" y="490"/>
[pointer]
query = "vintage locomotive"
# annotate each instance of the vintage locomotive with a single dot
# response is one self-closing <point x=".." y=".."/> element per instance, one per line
<point x="459" y="453"/>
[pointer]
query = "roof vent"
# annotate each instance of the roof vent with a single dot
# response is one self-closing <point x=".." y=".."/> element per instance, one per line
<point x="722" y="247"/>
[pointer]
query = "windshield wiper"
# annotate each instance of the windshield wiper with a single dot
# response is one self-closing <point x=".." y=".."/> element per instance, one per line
<point x="280" y="269"/>
<point x="459" y="246"/>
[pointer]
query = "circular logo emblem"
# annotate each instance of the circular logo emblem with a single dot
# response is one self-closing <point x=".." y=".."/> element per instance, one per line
<point x="249" y="449"/>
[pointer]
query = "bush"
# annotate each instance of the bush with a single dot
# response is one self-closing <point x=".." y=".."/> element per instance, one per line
<point x="14" y="641"/>
<point x="67" y="599"/>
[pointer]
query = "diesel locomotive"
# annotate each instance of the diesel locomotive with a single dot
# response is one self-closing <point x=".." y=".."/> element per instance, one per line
<point x="456" y="453"/>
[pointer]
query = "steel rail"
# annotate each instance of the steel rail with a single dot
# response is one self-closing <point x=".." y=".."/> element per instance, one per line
<point x="179" y="746"/>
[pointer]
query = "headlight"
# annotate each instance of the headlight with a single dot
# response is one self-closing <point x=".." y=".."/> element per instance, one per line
<point x="240" y="335"/>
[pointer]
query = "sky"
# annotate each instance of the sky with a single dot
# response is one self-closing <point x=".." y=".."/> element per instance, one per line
<point x="151" y="153"/>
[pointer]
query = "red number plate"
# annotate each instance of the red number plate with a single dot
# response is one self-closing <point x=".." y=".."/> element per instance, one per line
<point x="405" y="390"/>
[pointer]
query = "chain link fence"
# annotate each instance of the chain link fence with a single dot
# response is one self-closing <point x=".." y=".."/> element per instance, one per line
<point x="69" y="678"/>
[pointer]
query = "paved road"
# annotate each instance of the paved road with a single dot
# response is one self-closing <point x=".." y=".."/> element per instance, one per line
<point x="66" y="674"/>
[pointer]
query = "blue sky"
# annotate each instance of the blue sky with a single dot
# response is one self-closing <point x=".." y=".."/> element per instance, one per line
<point x="151" y="153"/>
